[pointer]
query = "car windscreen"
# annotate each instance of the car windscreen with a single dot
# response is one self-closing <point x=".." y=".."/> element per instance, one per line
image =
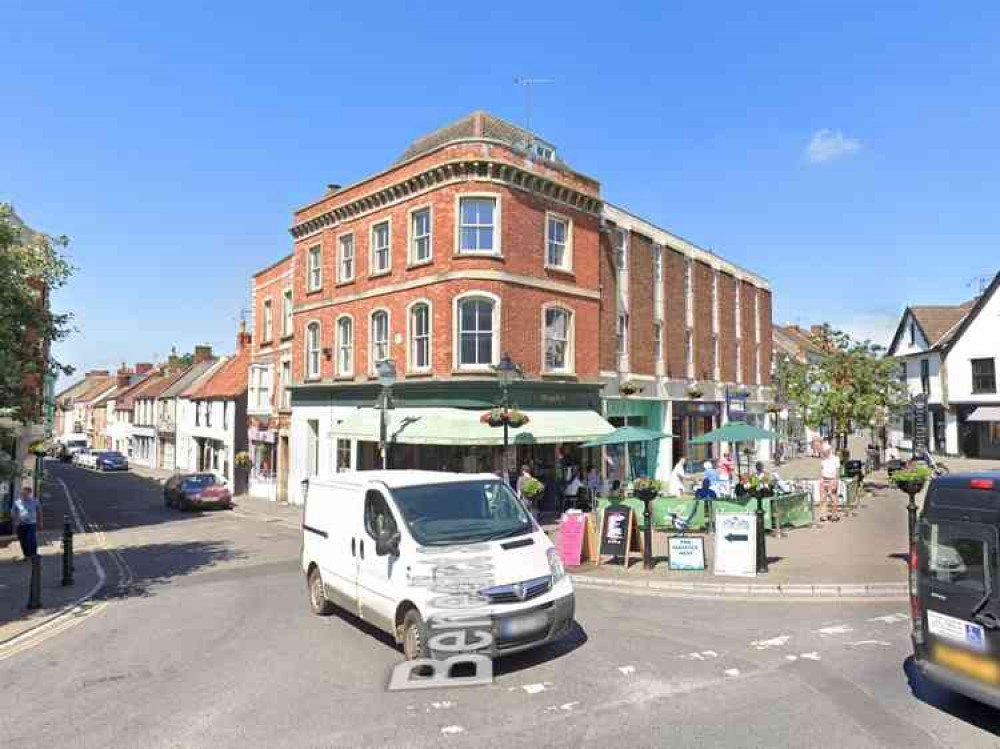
<point x="463" y="512"/>
<point x="195" y="483"/>
<point x="956" y="554"/>
<point x="112" y="455"/>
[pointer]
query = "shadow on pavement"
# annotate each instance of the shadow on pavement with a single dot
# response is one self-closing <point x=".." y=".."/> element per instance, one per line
<point x="153" y="566"/>
<point x="958" y="706"/>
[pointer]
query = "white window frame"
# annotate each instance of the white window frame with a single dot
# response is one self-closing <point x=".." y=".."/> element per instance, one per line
<point x="286" y="381"/>
<point x="739" y="307"/>
<point x="261" y="387"/>
<point x="658" y="263"/>
<point x="372" y="269"/>
<point x="756" y="318"/>
<point x="739" y="361"/>
<point x="314" y="268"/>
<point x="372" y="361"/>
<point x="715" y="300"/>
<point x="310" y="374"/>
<point x="497" y="250"/>
<point x="567" y="264"/>
<point x="456" y="330"/>
<point x="337" y="448"/>
<point x="411" y="364"/>
<point x="570" y="357"/>
<point x="341" y="370"/>
<point x="716" y="360"/>
<point x="689" y="290"/>
<point x="287" y="312"/>
<point x="621" y="250"/>
<point x="658" y="339"/>
<point x="341" y="277"/>
<point x="267" y="332"/>
<point x="689" y="353"/>
<point x="411" y="237"/>
<point x="622" y="333"/>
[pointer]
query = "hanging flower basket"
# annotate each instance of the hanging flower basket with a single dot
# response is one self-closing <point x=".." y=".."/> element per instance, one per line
<point x="243" y="459"/>
<point x="911" y="480"/>
<point x="38" y="448"/>
<point x="695" y="392"/>
<point x="630" y="387"/>
<point x="532" y="488"/>
<point x="497" y="417"/>
<point x="646" y="489"/>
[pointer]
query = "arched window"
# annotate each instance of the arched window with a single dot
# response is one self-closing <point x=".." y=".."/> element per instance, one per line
<point x="420" y="336"/>
<point x="379" y="337"/>
<point x="312" y="350"/>
<point x="558" y="339"/>
<point x="345" y="346"/>
<point x="477" y="319"/>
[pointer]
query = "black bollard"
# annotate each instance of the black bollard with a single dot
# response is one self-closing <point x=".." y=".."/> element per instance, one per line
<point x="35" y="589"/>
<point x="647" y="538"/>
<point x="761" y="537"/>
<point x="911" y="513"/>
<point x="67" y="541"/>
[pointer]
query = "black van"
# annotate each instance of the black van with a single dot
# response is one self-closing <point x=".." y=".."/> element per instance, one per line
<point x="954" y="585"/>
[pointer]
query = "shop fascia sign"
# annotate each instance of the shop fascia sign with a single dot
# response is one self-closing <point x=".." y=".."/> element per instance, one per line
<point x="260" y="435"/>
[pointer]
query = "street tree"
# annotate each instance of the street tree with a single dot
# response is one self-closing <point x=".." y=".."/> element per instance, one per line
<point x="852" y="385"/>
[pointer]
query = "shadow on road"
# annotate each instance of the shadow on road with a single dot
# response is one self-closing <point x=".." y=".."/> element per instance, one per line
<point x="974" y="713"/>
<point x="565" y="645"/>
<point x="143" y="569"/>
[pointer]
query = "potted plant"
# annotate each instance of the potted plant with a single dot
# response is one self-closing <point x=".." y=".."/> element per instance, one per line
<point x="646" y="489"/>
<point x="38" y="449"/>
<point x="531" y="489"/>
<point x="629" y="387"/>
<point x="243" y="459"/>
<point x="694" y="392"/>
<point x="911" y="479"/>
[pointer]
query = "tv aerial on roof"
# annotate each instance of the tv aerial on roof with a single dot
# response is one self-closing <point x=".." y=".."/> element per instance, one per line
<point x="528" y="83"/>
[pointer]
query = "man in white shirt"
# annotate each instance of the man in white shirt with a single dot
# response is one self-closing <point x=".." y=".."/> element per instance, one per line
<point x="829" y="484"/>
<point x="28" y="519"/>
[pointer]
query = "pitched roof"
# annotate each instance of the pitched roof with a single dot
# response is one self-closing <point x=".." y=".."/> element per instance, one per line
<point x="799" y="338"/>
<point x="156" y="387"/>
<point x="96" y="386"/>
<point x="229" y="381"/>
<point x="190" y="376"/>
<point x="124" y="398"/>
<point x="937" y="320"/>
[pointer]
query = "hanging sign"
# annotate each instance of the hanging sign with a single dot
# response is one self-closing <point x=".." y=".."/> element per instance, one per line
<point x="575" y="543"/>
<point x="736" y="544"/>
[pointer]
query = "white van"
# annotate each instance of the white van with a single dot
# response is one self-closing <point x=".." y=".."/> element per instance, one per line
<point x="380" y="544"/>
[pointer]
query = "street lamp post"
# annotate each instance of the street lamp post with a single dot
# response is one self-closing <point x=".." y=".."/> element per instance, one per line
<point x="506" y="371"/>
<point x="386" y="370"/>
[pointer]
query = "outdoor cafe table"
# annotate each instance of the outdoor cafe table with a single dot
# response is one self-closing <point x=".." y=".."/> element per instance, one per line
<point x="793" y="510"/>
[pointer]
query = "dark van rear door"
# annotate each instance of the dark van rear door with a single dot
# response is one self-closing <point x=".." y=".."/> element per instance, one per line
<point x="958" y="592"/>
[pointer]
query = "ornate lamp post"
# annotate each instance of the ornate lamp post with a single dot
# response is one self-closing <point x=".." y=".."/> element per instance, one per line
<point x="506" y="371"/>
<point x="386" y="370"/>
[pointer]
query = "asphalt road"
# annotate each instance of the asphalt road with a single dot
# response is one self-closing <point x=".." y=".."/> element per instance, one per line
<point x="207" y="641"/>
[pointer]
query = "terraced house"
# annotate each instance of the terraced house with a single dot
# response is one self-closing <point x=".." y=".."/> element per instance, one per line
<point x="480" y="246"/>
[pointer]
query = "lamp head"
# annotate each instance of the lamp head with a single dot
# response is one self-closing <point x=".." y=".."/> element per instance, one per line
<point x="386" y="370"/>
<point x="506" y="370"/>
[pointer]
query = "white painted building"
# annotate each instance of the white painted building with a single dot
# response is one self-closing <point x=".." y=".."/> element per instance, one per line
<point x="951" y="354"/>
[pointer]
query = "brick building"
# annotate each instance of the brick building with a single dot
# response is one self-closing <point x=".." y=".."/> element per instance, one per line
<point x="268" y="398"/>
<point x="480" y="241"/>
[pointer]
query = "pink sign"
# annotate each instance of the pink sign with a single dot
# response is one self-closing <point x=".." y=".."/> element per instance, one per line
<point x="570" y="545"/>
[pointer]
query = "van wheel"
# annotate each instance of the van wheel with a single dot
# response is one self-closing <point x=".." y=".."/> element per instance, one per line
<point x="415" y="636"/>
<point x="318" y="601"/>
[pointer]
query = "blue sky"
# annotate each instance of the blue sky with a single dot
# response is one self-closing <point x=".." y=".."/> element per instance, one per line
<point x="172" y="144"/>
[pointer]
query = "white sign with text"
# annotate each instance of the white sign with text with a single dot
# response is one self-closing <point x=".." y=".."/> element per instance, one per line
<point x="735" y="544"/>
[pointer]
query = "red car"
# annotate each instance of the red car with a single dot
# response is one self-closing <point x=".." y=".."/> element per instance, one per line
<point x="189" y="491"/>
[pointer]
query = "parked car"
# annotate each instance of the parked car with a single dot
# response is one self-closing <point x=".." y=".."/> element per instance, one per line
<point x="188" y="491"/>
<point x="110" y="460"/>
<point x="374" y="542"/>
<point x="953" y="573"/>
<point x="81" y="456"/>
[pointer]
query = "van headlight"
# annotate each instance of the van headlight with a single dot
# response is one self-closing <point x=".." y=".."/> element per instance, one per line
<point x="556" y="566"/>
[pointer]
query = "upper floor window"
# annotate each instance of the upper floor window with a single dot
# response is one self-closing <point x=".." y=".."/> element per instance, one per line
<point x="689" y="290"/>
<point x="379" y="337"/>
<point x="657" y="263"/>
<point x="420" y="236"/>
<point x="715" y="300"/>
<point x="716" y="363"/>
<point x="902" y="372"/>
<point x="621" y="244"/>
<point x="312" y="351"/>
<point x="345" y="346"/>
<point x="756" y="317"/>
<point x="420" y="336"/>
<point x="345" y="259"/>
<point x="925" y="376"/>
<point x="260" y="387"/>
<point x="558" y="247"/>
<point x="544" y="151"/>
<point x="913" y="333"/>
<point x="739" y="297"/>
<point x="476" y="332"/>
<point x="739" y="361"/>
<point x="622" y="332"/>
<point x="380" y="247"/>
<point x="286" y="313"/>
<point x="477" y="225"/>
<point x="984" y="376"/>
<point x="286" y="384"/>
<point x="689" y="352"/>
<point x="558" y="340"/>
<point x="658" y="340"/>
<point x="314" y="268"/>
<point x="267" y="333"/>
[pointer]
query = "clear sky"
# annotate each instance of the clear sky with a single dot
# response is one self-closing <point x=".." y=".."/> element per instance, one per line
<point x="846" y="151"/>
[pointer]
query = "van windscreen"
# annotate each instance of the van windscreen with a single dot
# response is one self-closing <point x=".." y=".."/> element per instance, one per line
<point x="955" y="554"/>
<point x="464" y="512"/>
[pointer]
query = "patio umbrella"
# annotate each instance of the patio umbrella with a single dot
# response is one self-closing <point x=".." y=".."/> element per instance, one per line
<point x="626" y="436"/>
<point x="735" y="431"/>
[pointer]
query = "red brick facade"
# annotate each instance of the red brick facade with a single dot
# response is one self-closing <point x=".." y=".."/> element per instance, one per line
<point x="673" y="322"/>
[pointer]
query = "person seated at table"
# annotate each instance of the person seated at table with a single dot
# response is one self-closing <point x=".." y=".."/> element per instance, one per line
<point x="706" y="491"/>
<point x="714" y="477"/>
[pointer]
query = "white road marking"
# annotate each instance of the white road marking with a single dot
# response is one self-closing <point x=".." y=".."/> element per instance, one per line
<point x="868" y="642"/>
<point x="774" y="642"/>
<point x="732" y="672"/>
<point x="813" y="656"/>
<point x="791" y="658"/>
<point x="627" y="670"/>
<point x="890" y="618"/>
<point x="452" y="730"/>
<point x="836" y="629"/>
<point x="535" y="688"/>
<point x="567" y="706"/>
<point x="441" y="705"/>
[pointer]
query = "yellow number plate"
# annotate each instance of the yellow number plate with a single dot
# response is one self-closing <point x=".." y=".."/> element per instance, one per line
<point x="968" y="664"/>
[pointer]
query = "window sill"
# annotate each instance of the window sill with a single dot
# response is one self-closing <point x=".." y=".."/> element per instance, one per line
<point x="482" y="255"/>
<point x="344" y="378"/>
<point x="560" y="270"/>
<point x="312" y="379"/>
<point x="285" y="337"/>
<point x="419" y="373"/>
<point x="550" y="375"/>
<point x="346" y="282"/>
<point x="488" y="369"/>
<point x="420" y="263"/>
<point x="379" y="274"/>
<point x="311" y="292"/>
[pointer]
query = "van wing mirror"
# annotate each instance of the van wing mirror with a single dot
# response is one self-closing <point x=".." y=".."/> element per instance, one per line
<point x="387" y="543"/>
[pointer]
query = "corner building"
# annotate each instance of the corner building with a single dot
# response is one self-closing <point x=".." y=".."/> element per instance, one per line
<point x="479" y="241"/>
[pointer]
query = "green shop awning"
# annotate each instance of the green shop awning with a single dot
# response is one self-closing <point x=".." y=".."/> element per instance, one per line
<point x="459" y="426"/>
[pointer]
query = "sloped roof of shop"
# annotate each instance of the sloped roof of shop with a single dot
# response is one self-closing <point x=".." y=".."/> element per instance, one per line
<point x="229" y="381"/>
<point x="194" y="373"/>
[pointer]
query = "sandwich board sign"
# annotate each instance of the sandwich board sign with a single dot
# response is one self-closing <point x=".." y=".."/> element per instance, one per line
<point x="575" y="543"/>
<point x="736" y="544"/>
<point x="619" y="532"/>
<point x="686" y="552"/>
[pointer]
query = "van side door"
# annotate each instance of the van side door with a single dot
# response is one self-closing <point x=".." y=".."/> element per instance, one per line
<point x="329" y="526"/>
<point x="378" y="576"/>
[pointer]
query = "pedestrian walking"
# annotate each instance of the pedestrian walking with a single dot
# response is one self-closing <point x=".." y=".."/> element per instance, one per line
<point x="28" y="519"/>
<point x="829" y="484"/>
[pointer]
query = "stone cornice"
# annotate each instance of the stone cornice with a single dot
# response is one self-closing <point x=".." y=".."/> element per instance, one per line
<point x="450" y="172"/>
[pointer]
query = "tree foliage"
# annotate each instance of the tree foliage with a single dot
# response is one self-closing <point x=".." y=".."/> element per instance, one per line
<point x="32" y="265"/>
<point x="850" y="385"/>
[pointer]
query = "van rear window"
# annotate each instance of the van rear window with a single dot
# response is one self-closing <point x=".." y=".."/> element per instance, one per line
<point x="956" y="555"/>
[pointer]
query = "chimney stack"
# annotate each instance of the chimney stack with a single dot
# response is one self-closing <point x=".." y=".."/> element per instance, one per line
<point x="242" y="338"/>
<point x="332" y="188"/>
<point x="202" y="353"/>
<point x="816" y="329"/>
<point x="142" y="368"/>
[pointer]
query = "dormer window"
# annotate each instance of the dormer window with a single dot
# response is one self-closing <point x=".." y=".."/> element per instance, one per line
<point x="913" y="333"/>
<point x="544" y="151"/>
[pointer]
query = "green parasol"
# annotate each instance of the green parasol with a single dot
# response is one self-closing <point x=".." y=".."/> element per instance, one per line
<point x="735" y="431"/>
<point x="626" y="436"/>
